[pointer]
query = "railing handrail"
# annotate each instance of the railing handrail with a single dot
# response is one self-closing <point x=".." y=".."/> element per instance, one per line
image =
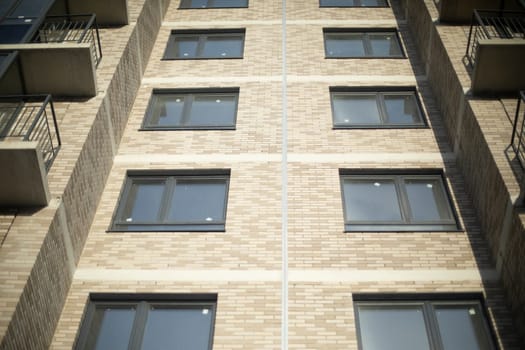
<point x="489" y="24"/>
<point x="88" y="25"/>
<point x="37" y="118"/>
<point x="38" y="130"/>
<point x="477" y="17"/>
<point x="517" y="146"/>
<point x="87" y="29"/>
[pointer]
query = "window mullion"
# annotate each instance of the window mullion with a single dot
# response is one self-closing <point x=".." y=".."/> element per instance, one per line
<point x="367" y="45"/>
<point x="186" y="109"/>
<point x="382" y="108"/>
<point x="200" y="46"/>
<point x="139" y="324"/>
<point x="432" y="327"/>
<point x="166" y="196"/>
<point x="403" y="199"/>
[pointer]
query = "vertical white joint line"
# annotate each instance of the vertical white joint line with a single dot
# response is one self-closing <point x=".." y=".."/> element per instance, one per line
<point x="284" y="193"/>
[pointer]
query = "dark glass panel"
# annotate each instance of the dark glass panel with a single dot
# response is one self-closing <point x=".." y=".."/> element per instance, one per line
<point x="177" y="329"/>
<point x="355" y="110"/>
<point x="199" y="201"/>
<point x="371" y="200"/>
<point x="392" y="328"/>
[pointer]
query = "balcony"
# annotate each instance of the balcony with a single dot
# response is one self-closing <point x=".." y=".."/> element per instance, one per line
<point x="460" y="11"/>
<point x="29" y="143"/>
<point x="496" y="51"/>
<point x="60" y="58"/>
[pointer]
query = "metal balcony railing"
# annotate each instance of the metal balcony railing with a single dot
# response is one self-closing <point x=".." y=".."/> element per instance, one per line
<point x="517" y="141"/>
<point x="30" y="118"/>
<point x="71" y="28"/>
<point x="490" y="24"/>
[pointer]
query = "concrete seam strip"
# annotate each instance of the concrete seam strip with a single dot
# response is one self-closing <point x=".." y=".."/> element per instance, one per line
<point x="284" y="192"/>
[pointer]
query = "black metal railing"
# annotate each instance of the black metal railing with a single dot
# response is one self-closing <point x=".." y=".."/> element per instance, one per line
<point x="491" y="24"/>
<point x="71" y="28"/>
<point x="517" y="141"/>
<point x="31" y="118"/>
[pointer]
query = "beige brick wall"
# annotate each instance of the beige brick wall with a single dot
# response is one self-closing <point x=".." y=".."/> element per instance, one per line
<point x="320" y="310"/>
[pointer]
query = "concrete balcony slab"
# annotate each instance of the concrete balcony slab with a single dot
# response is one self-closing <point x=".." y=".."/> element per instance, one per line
<point x="499" y="67"/>
<point x="23" y="179"/>
<point x="60" y="69"/>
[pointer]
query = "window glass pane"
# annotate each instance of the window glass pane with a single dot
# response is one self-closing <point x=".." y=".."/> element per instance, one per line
<point x="426" y="199"/>
<point x="13" y="33"/>
<point x="401" y="109"/>
<point x="229" y="3"/>
<point x="167" y="110"/>
<point x="145" y="199"/>
<point x="371" y="200"/>
<point x="199" y="201"/>
<point x="461" y="327"/>
<point x="338" y="3"/>
<point x="222" y="46"/>
<point x="392" y="328"/>
<point x="212" y="110"/>
<point x="196" y="3"/>
<point x="344" y="45"/>
<point x="30" y="8"/>
<point x="355" y="109"/>
<point x="111" y="329"/>
<point x="186" y="47"/>
<point x="384" y="45"/>
<point x="373" y="3"/>
<point x="177" y="329"/>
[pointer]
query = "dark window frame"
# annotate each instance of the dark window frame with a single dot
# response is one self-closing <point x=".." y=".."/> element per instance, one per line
<point x="182" y="6"/>
<point x="355" y="6"/>
<point x="119" y="224"/>
<point x="366" y="43"/>
<point x="141" y="302"/>
<point x="146" y="126"/>
<point x="398" y="176"/>
<point x="427" y="301"/>
<point x="380" y="91"/>
<point x="202" y="34"/>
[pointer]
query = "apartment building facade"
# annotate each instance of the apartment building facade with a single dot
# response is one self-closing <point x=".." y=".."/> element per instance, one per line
<point x="274" y="174"/>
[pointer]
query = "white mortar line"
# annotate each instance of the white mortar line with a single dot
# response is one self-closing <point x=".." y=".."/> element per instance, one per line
<point x="142" y="159"/>
<point x="284" y="192"/>
<point x="294" y="275"/>
<point x="329" y="79"/>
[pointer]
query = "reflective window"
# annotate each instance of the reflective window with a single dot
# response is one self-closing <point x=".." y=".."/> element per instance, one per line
<point x="353" y="3"/>
<point x="362" y="109"/>
<point x="386" y="327"/>
<point x="202" y="109"/>
<point x="205" y="44"/>
<point x="357" y="44"/>
<point x="186" y="202"/>
<point x="148" y="324"/>
<point x="431" y="324"/>
<point x="396" y="203"/>
<point x="197" y="4"/>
